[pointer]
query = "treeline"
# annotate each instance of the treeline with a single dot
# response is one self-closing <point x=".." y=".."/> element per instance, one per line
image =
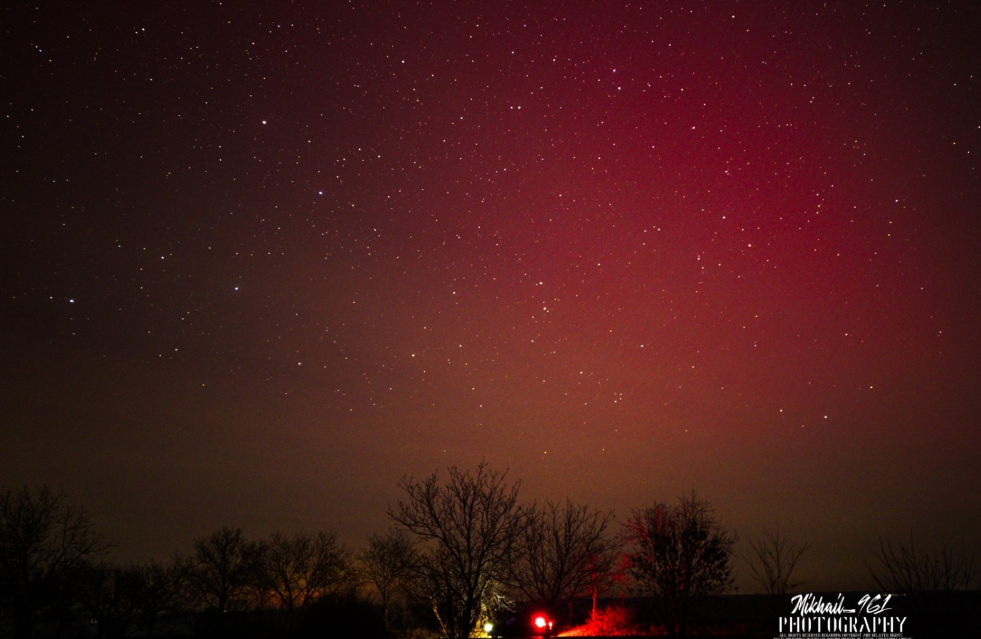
<point x="56" y="580"/>
<point x="463" y="558"/>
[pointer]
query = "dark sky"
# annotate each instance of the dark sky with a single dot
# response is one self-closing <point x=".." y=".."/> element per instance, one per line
<point x="262" y="259"/>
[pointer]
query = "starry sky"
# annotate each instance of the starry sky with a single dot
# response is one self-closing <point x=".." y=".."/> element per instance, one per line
<point x="260" y="260"/>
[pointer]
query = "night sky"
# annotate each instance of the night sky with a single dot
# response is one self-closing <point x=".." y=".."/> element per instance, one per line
<point x="262" y="259"/>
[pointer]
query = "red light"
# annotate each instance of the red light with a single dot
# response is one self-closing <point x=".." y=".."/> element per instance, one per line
<point x="540" y="621"/>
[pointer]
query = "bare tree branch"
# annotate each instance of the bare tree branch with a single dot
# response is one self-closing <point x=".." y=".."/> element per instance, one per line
<point x="772" y="559"/>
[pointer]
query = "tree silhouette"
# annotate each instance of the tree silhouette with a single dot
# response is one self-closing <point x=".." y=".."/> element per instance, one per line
<point x="468" y="525"/>
<point x="110" y="595"/>
<point x="389" y="564"/>
<point x="772" y="558"/>
<point x="909" y="570"/>
<point x="931" y="584"/>
<point x="303" y="568"/>
<point x="225" y="570"/>
<point x="680" y="553"/>
<point x="43" y="546"/>
<point x="562" y="551"/>
<point x="163" y="588"/>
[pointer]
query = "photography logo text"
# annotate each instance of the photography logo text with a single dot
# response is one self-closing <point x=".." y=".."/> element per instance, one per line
<point x="872" y="617"/>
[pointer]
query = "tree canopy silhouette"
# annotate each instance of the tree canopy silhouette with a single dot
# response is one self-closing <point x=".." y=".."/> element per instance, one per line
<point x="389" y="564"/>
<point x="468" y="526"/>
<point x="560" y="552"/>
<point x="225" y="569"/>
<point x="303" y="568"/>
<point x="772" y="559"/>
<point x="44" y="543"/>
<point x="680" y="554"/>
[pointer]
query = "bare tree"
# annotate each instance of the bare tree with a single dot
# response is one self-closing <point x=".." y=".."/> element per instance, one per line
<point x="909" y="570"/>
<point x="468" y="525"/>
<point x="303" y="568"/>
<point x="680" y="554"/>
<point x="162" y="589"/>
<point x="608" y="571"/>
<point x="111" y="596"/>
<point x="225" y="569"/>
<point x="123" y="600"/>
<point x="388" y="564"/>
<point x="562" y="551"/>
<point x="772" y="558"/>
<point x="43" y="545"/>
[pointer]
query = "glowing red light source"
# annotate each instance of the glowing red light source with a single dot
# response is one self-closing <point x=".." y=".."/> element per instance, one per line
<point x="540" y="621"/>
